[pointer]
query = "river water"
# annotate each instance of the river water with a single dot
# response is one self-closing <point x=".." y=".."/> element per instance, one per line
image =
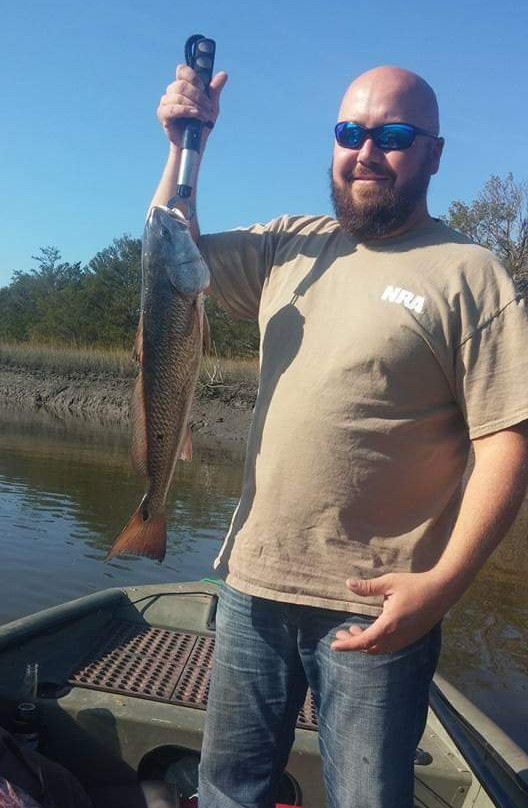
<point x="67" y="488"/>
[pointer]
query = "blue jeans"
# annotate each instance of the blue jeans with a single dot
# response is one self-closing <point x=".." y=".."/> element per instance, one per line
<point x="371" y="709"/>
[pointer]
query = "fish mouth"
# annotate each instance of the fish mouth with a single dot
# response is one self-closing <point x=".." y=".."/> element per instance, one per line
<point x="158" y="213"/>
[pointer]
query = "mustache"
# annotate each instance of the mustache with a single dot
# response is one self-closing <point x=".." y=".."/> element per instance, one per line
<point x="369" y="175"/>
<point x="365" y="172"/>
<point x="361" y="172"/>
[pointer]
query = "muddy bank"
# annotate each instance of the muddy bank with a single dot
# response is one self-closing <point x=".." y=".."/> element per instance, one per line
<point x="221" y="413"/>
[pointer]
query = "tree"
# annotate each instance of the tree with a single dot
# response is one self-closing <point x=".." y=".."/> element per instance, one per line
<point x="111" y="294"/>
<point x="18" y="308"/>
<point x="230" y="337"/>
<point x="56" y="289"/>
<point x="498" y="219"/>
<point x="53" y="275"/>
<point x="31" y="307"/>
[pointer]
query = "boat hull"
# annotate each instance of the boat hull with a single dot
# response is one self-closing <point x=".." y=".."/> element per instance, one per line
<point x="123" y="691"/>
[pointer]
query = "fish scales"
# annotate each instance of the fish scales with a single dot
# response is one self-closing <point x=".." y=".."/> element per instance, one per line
<point x="169" y="350"/>
<point x="171" y="362"/>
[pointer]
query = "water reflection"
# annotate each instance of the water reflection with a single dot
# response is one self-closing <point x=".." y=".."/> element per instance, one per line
<point x="486" y="637"/>
<point x="67" y="488"/>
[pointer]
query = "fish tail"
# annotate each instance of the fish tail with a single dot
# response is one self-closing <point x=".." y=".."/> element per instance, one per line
<point x="144" y="534"/>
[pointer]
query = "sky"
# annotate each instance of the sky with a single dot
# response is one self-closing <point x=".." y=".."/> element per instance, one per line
<point x="82" y="150"/>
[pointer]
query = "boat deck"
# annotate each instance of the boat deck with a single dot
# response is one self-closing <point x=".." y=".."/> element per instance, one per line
<point x="158" y="664"/>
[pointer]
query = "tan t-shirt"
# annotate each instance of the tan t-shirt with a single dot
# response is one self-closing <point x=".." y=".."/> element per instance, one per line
<point x="379" y="362"/>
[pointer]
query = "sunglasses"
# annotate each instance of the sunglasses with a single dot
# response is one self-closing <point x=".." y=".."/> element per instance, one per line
<point x="389" y="137"/>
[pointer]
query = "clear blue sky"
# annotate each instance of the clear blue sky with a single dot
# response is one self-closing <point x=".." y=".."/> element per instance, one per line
<point x="80" y="81"/>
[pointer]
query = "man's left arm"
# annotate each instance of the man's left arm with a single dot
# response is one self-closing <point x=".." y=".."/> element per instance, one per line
<point x="414" y="602"/>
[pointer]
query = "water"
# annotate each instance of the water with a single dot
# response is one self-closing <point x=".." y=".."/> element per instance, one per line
<point x="67" y="488"/>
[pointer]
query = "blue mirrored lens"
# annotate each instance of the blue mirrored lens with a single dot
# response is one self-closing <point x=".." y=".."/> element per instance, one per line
<point x="349" y="135"/>
<point x="391" y="136"/>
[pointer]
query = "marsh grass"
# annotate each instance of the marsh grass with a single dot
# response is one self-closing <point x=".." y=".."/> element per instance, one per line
<point x="216" y="370"/>
<point x="64" y="360"/>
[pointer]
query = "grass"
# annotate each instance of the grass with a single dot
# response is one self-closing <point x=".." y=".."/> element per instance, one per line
<point x="216" y="370"/>
<point x="63" y="360"/>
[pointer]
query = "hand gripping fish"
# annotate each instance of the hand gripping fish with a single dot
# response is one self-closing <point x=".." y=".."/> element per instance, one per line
<point x="171" y="333"/>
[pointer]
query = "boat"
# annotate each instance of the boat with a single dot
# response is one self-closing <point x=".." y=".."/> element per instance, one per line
<point x="122" y="692"/>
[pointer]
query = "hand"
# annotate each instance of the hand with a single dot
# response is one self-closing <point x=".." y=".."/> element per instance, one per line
<point x="186" y="98"/>
<point x="413" y="603"/>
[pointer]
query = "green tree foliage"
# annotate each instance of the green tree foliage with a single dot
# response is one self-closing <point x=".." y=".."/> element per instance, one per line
<point x="111" y="294"/>
<point x="18" y="308"/>
<point x="498" y="219"/>
<point x="230" y="337"/>
<point x="32" y="305"/>
<point x="54" y="292"/>
<point x="62" y="303"/>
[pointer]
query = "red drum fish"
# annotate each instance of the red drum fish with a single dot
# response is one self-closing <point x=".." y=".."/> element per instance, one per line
<point x="168" y="349"/>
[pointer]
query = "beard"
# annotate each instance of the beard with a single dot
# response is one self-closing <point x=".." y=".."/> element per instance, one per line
<point x="379" y="214"/>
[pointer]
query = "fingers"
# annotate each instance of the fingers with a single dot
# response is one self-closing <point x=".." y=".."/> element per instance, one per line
<point x="342" y="643"/>
<point x="186" y="98"/>
<point x="183" y="99"/>
<point x="188" y="75"/>
<point x="191" y="85"/>
<point x="217" y="84"/>
<point x="187" y="90"/>
<point x="170" y="110"/>
<point x="366" y="587"/>
<point x="369" y="640"/>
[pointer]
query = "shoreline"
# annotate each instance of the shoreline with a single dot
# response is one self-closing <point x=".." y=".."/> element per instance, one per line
<point x="220" y="415"/>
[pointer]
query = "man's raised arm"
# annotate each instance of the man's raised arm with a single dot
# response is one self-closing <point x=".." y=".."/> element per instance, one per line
<point x="185" y="98"/>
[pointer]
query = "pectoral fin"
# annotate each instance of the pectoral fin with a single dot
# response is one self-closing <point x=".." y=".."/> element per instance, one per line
<point x="186" y="450"/>
<point x="137" y="352"/>
<point x="206" y="334"/>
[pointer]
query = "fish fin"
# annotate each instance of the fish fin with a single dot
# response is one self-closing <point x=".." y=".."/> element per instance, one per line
<point x="144" y="534"/>
<point x="139" y="422"/>
<point x="206" y="334"/>
<point x="186" y="451"/>
<point x="137" y="352"/>
<point x="203" y="325"/>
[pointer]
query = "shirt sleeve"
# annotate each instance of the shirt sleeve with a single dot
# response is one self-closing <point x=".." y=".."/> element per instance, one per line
<point x="492" y="370"/>
<point x="239" y="262"/>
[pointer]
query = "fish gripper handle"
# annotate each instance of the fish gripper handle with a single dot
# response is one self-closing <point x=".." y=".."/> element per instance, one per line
<point x="199" y="54"/>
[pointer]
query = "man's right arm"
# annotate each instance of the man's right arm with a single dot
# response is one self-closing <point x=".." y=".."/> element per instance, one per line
<point x="185" y="98"/>
<point x="238" y="260"/>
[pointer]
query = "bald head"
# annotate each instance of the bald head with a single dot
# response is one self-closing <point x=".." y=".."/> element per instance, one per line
<point x="390" y="94"/>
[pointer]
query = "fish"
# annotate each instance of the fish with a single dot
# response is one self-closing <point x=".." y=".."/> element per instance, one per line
<point x="168" y="348"/>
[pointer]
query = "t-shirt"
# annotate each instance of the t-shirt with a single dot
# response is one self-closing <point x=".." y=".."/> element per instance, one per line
<point x="378" y="363"/>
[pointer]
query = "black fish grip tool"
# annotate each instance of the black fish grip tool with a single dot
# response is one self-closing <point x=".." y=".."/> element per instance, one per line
<point x="199" y="54"/>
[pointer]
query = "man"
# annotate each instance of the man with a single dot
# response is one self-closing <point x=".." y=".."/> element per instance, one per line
<point x="389" y="345"/>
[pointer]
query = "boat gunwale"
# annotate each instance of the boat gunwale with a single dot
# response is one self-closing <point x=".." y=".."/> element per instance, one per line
<point x="48" y="620"/>
<point x="456" y="712"/>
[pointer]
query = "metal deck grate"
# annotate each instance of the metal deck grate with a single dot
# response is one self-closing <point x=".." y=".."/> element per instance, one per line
<point x="158" y="664"/>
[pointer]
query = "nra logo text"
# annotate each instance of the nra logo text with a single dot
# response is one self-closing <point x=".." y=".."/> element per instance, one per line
<point x="395" y="294"/>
